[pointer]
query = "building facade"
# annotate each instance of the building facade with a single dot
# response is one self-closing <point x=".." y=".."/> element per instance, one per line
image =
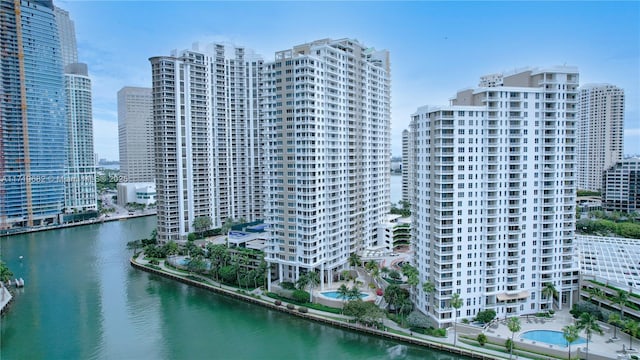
<point x="67" y="35"/>
<point x="407" y="169"/>
<point x="326" y="107"/>
<point x="494" y="206"/>
<point x="621" y="186"/>
<point x="600" y="132"/>
<point x="80" y="172"/>
<point x="135" y="134"/>
<point x="207" y="130"/>
<point x="33" y="121"/>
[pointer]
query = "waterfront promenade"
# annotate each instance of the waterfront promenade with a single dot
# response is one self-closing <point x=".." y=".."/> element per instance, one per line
<point x="392" y="331"/>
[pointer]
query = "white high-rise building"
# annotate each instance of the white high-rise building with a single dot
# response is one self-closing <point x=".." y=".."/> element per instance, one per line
<point x="407" y="169"/>
<point x="207" y="127"/>
<point x="600" y="132"/>
<point x="135" y="135"/>
<point x="80" y="172"/>
<point x="494" y="207"/>
<point x="326" y="107"/>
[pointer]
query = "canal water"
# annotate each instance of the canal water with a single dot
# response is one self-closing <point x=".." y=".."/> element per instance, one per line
<point x="82" y="300"/>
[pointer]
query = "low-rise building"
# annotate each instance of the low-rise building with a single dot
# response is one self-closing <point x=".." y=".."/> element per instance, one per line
<point x="139" y="193"/>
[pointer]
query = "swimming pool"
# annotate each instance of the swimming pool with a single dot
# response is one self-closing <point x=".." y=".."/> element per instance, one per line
<point x="336" y="295"/>
<point x="550" y="337"/>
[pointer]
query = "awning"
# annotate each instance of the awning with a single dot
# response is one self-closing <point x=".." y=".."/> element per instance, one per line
<point x="517" y="296"/>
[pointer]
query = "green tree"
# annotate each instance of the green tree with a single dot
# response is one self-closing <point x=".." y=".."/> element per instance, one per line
<point x="354" y="260"/>
<point x="354" y="293"/>
<point x="228" y="223"/>
<point x="5" y="273"/>
<point x="597" y="293"/>
<point x="343" y="292"/>
<point x="196" y="264"/>
<point x="313" y="280"/>
<point x="570" y="334"/>
<point x="589" y="324"/>
<point x="621" y="298"/>
<point x="171" y="248"/>
<point x="614" y="319"/>
<point x="486" y="316"/>
<point x="456" y="303"/>
<point x="549" y="291"/>
<point x="631" y="327"/>
<point x="134" y="245"/>
<point x="202" y="224"/>
<point x="514" y="326"/>
<point x="429" y="288"/>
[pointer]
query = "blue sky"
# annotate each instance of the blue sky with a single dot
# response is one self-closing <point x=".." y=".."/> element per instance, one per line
<point x="437" y="48"/>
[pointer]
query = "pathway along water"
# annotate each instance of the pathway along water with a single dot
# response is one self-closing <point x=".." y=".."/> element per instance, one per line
<point x="82" y="300"/>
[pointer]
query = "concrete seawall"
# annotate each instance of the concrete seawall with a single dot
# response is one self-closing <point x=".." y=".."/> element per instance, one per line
<point x="313" y="317"/>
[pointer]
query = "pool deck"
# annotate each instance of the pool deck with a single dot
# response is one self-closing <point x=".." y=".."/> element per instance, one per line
<point x="599" y="344"/>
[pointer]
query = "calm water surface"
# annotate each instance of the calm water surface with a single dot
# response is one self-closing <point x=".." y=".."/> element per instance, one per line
<point x="83" y="300"/>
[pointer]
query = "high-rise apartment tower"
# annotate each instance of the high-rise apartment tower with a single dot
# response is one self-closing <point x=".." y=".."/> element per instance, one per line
<point x="207" y="127"/>
<point x="80" y="172"/>
<point x="326" y="107"/>
<point x="494" y="207"/>
<point x="600" y="132"/>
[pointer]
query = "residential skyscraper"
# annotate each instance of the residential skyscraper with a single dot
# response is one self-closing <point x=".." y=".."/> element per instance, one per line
<point x="80" y="172"/>
<point x="33" y="121"/>
<point x="207" y="131"/>
<point x="600" y="132"/>
<point x="621" y="186"/>
<point x="67" y="35"/>
<point x="494" y="209"/>
<point x="326" y="109"/>
<point x="407" y="169"/>
<point x="135" y="134"/>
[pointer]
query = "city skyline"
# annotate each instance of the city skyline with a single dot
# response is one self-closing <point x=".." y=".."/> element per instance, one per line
<point x="445" y="49"/>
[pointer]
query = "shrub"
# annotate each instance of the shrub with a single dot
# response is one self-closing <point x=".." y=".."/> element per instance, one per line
<point x="154" y="262"/>
<point x="486" y="316"/>
<point x="465" y="321"/>
<point x="418" y="320"/>
<point x="300" y="296"/>
<point x="287" y="285"/>
<point x="290" y="307"/>
<point x="586" y="307"/>
<point x="278" y="302"/>
<point x="482" y="339"/>
<point x="303" y="309"/>
<point x="440" y="332"/>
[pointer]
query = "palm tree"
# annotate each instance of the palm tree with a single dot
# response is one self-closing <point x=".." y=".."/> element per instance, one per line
<point x="589" y="324"/>
<point x="429" y="288"/>
<point x="514" y="326"/>
<point x="354" y="260"/>
<point x="597" y="293"/>
<point x="631" y="327"/>
<point x="353" y="293"/>
<point x="621" y="298"/>
<point x="570" y="333"/>
<point x="313" y="280"/>
<point x="614" y="319"/>
<point x="456" y="303"/>
<point x="549" y="291"/>
<point x="343" y="292"/>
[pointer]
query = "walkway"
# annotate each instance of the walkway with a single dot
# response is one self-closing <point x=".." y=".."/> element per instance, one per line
<point x="397" y="330"/>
